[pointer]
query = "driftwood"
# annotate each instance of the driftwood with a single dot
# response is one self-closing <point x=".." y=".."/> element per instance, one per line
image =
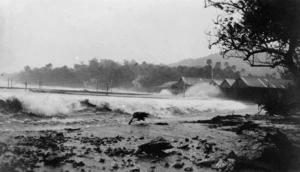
<point x="139" y="116"/>
<point x="155" y="147"/>
<point x="87" y="104"/>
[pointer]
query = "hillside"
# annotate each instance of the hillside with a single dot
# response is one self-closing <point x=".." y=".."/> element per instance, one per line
<point x="239" y="63"/>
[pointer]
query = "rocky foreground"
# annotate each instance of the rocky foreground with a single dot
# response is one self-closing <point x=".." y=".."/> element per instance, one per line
<point x="230" y="143"/>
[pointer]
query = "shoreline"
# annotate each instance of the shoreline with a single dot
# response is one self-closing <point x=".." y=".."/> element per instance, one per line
<point x="199" y="145"/>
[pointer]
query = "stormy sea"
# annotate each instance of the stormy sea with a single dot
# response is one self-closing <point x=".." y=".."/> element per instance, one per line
<point x="26" y="110"/>
<point x="55" y="129"/>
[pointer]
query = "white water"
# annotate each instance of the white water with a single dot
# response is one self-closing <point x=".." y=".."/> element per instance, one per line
<point x="54" y="104"/>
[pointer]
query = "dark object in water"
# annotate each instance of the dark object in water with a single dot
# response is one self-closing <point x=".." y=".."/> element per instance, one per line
<point x="105" y="107"/>
<point x="72" y="129"/>
<point x="87" y="104"/>
<point x="139" y="116"/>
<point x="161" y="123"/>
<point x="11" y="105"/>
<point x="155" y="147"/>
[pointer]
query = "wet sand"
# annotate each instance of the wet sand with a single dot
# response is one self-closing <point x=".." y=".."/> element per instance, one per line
<point x="197" y="146"/>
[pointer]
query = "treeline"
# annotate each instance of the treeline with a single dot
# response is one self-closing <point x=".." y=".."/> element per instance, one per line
<point x="130" y="74"/>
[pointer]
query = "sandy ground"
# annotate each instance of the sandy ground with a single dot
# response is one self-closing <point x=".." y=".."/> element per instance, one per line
<point x="196" y="147"/>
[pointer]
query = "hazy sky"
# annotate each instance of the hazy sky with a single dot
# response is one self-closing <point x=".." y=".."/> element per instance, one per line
<point x="64" y="32"/>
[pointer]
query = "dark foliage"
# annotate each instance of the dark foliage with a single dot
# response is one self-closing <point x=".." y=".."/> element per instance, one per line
<point x="11" y="105"/>
<point x="275" y="103"/>
<point x="248" y="28"/>
<point x="108" y="73"/>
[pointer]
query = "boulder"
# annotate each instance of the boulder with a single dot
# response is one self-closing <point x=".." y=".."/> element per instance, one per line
<point x="155" y="147"/>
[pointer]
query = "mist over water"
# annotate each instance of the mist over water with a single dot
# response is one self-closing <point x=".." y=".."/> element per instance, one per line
<point x="56" y="111"/>
<point x="203" y="90"/>
<point x="162" y="107"/>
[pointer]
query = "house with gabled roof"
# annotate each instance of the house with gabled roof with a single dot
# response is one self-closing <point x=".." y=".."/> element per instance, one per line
<point x="168" y="85"/>
<point x="255" y="89"/>
<point x="227" y="83"/>
<point x="186" y="82"/>
<point x="251" y="82"/>
<point x="216" y="82"/>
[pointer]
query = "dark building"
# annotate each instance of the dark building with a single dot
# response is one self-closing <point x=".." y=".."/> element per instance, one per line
<point x="255" y="89"/>
<point x="185" y="82"/>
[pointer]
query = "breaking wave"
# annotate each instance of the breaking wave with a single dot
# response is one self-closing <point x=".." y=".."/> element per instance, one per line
<point x="50" y="105"/>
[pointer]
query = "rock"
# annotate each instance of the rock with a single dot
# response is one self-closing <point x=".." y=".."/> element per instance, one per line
<point x="155" y="147"/>
<point x="231" y="155"/>
<point x="78" y="164"/>
<point x="53" y="160"/>
<point x="161" y="123"/>
<point x="153" y="167"/>
<point x="203" y="141"/>
<point x="179" y="159"/>
<point x="188" y="169"/>
<point x="71" y="129"/>
<point x="208" y="148"/>
<point x="102" y="160"/>
<point x="115" y="166"/>
<point x="178" y="165"/>
<point x="206" y="162"/>
<point x="154" y="161"/>
<point x="195" y="138"/>
<point x="221" y="164"/>
<point x="185" y="147"/>
<point x="142" y="138"/>
<point x="60" y="134"/>
<point x="97" y="149"/>
<point x="167" y="165"/>
<point x="135" y="169"/>
<point x="186" y="139"/>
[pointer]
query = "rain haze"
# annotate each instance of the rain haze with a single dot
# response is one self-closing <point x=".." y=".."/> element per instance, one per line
<point x="149" y="85"/>
<point x="65" y="32"/>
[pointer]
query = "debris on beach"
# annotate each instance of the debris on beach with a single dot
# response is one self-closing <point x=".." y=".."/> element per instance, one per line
<point x="161" y="123"/>
<point x="139" y="116"/>
<point x="154" y="147"/>
<point x="87" y="104"/>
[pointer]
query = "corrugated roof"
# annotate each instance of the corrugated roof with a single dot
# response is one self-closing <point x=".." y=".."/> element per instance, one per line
<point x="265" y="83"/>
<point x="167" y="84"/>
<point x="276" y="83"/>
<point x="230" y="81"/>
<point x="216" y="82"/>
<point x="253" y="82"/>
<point x="191" y="81"/>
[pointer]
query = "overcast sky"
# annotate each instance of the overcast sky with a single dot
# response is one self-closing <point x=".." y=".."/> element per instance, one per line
<point x="64" y="32"/>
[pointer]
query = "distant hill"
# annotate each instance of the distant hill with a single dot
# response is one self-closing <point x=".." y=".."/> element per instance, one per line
<point x="239" y="63"/>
